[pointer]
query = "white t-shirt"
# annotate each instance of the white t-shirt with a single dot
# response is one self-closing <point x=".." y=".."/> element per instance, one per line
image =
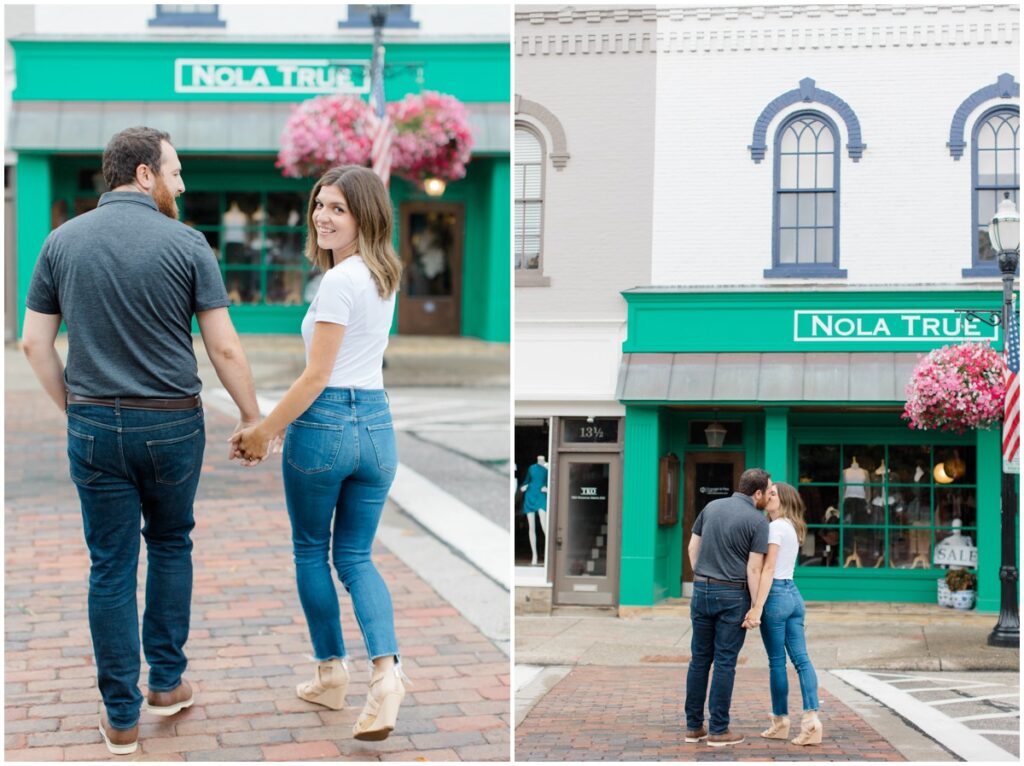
<point x="782" y="534"/>
<point x="348" y="296"/>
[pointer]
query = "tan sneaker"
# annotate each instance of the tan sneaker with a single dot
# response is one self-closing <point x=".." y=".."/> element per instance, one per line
<point x="725" y="738"/>
<point x="328" y="686"/>
<point x="696" y="735"/>
<point x="169" y="703"/>
<point x="119" y="741"/>
<point x="380" y="713"/>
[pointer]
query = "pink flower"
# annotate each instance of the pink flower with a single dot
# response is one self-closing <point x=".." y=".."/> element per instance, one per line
<point x="955" y="388"/>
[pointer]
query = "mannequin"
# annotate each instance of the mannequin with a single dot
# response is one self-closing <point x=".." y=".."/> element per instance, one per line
<point x="855" y="503"/>
<point x="535" y="503"/>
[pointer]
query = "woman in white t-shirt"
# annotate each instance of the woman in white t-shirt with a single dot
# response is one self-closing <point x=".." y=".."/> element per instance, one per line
<point x="779" y="608"/>
<point x="339" y="450"/>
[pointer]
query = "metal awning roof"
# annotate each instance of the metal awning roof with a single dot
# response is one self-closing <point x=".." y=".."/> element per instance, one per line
<point x="195" y="126"/>
<point x="768" y="377"/>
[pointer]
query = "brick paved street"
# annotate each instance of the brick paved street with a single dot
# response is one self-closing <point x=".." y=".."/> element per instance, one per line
<point x="248" y="646"/>
<point x="636" y="714"/>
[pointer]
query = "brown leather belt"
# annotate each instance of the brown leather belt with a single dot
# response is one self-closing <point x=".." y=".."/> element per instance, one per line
<point x="188" y="403"/>
<point x="713" y="581"/>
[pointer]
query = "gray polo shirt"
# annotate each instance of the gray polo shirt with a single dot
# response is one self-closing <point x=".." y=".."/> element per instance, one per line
<point x="730" y="529"/>
<point x="127" y="280"/>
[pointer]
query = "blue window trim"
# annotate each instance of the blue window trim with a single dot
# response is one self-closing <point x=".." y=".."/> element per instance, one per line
<point x="399" y="17"/>
<point x="979" y="268"/>
<point x="1004" y="87"/>
<point x="805" y="270"/>
<point x="166" y="18"/>
<point x="807" y="92"/>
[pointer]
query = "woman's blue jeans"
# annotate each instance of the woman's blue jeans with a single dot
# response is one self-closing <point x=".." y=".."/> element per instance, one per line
<point x="782" y="630"/>
<point x="339" y="462"/>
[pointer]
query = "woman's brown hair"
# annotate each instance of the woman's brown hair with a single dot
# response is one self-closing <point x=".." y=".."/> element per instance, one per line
<point x="791" y="506"/>
<point x="370" y="205"/>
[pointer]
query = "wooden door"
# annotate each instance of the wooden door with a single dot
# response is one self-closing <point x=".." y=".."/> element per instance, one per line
<point x="431" y="251"/>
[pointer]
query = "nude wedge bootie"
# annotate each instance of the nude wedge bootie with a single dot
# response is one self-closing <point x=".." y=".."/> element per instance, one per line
<point x="328" y="686"/>
<point x="810" y="730"/>
<point x="384" y="698"/>
<point x="779" y="728"/>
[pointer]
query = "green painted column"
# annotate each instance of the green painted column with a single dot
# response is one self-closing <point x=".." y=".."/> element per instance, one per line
<point x="639" y="507"/>
<point x="33" y="215"/>
<point x="499" y="259"/>
<point x="990" y="532"/>
<point x="776" y="443"/>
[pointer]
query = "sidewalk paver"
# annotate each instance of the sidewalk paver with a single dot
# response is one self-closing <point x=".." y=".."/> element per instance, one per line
<point x="248" y="645"/>
<point x="636" y="714"/>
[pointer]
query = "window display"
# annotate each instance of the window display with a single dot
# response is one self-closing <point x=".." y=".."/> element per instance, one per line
<point x="884" y="505"/>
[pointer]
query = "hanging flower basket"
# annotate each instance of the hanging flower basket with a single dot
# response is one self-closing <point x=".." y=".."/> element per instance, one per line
<point x="323" y="132"/>
<point x="956" y="388"/>
<point x="432" y="137"/>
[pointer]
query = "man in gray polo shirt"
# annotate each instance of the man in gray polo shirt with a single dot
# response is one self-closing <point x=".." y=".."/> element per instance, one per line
<point x="727" y="547"/>
<point x="127" y="279"/>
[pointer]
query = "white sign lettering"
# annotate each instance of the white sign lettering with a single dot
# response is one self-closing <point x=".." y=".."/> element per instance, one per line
<point x="271" y="76"/>
<point x="943" y="325"/>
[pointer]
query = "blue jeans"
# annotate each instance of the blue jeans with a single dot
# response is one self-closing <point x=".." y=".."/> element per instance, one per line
<point x="782" y="630"/>
<point x="129" y="465"/>
<point x="339" y="462"/>
<point x="716" y="614"/>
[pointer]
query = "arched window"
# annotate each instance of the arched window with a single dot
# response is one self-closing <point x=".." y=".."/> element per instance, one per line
<point x="529" y="198"/>
<point x="806" y="205"/>
<point x="995" y="170"/>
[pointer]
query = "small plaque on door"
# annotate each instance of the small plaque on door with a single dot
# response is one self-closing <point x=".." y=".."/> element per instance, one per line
<point x="584" y="588"/>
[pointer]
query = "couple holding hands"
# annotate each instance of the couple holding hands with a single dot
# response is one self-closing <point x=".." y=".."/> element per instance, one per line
<point x="743" y="551"/>
<point x="127" y="279"/>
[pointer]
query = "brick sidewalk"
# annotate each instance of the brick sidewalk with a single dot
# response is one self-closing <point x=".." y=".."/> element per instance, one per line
<point x="248" y="646"/>
<point x="636" y="714"/>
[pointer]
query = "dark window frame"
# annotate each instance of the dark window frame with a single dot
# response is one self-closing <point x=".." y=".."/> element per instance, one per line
<point x="171" y="18"/>
<point x="399" y="17"/>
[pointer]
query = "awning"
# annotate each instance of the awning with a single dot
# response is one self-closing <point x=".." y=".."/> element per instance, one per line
<point x="195" y="126"/>
<point x="769" y="377"/>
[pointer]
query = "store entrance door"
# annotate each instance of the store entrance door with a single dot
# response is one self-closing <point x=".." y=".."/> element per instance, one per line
<point x="707" y="476"/>
<point x="587" y="533"/>
<point x="431" y="252"/>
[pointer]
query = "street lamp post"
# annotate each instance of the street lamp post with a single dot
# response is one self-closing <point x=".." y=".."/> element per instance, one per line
<point x="1004" y="234"/>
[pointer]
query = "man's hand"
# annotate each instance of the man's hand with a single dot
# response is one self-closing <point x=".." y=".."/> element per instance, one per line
<point x="752" y="619"/>
<point x="252" y="444"/>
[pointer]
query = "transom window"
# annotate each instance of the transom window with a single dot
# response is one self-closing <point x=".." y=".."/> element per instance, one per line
<point x="996" y="171"/>
<point x="529" y="199"/>
<point x="187" y="16"/>
<point x="399" y="17"/>
<point x="806" y="213"/>
<point x="885" y="506"/>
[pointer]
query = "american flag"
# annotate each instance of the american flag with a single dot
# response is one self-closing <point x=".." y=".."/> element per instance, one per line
<point x="1011" y="409"/>
<point x="380" y="152"/>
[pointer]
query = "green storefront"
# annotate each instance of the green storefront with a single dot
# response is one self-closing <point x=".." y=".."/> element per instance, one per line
<point x="810" y="386"/>
<point x="224" y="104"/>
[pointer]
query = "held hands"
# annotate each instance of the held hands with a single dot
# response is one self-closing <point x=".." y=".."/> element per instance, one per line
<point x="251" y="444"/>
<point x="752" y="618"/>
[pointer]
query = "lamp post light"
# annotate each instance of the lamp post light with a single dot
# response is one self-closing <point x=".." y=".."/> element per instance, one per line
<point x="1004" y="234"/>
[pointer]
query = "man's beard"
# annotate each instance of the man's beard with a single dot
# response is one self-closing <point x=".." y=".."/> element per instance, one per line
<point x="164" y="199"/>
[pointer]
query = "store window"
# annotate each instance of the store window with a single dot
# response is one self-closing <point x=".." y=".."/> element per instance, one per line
<point x="258" y="239"/>
<point x="885" y="506"/>
<point x="806" y="205"/>
<point x="529" y="207"/>
<point x="187" y="16"/>
<point x="995" y="171"/>
<point x="399" y="17"/>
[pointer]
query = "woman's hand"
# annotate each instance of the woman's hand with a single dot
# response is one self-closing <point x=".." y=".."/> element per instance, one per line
<point x="251" y="444"/>
<point x="752" y="619"/>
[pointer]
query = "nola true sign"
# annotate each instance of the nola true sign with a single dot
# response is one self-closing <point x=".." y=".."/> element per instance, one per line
<point x="941" y="325"/>
<point x="226" y="76"/>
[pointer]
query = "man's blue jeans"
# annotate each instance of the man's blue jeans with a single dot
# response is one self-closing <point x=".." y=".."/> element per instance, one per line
<point x="782" y="630"/>
<point x="129" y="466"/>
<point x="716" y="615"/>
<point x="339" y="462"/>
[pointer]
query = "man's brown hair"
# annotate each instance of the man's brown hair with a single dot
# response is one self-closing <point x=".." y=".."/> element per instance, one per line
<point x="754" y="479"/>
<point x="129" y="149"/>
